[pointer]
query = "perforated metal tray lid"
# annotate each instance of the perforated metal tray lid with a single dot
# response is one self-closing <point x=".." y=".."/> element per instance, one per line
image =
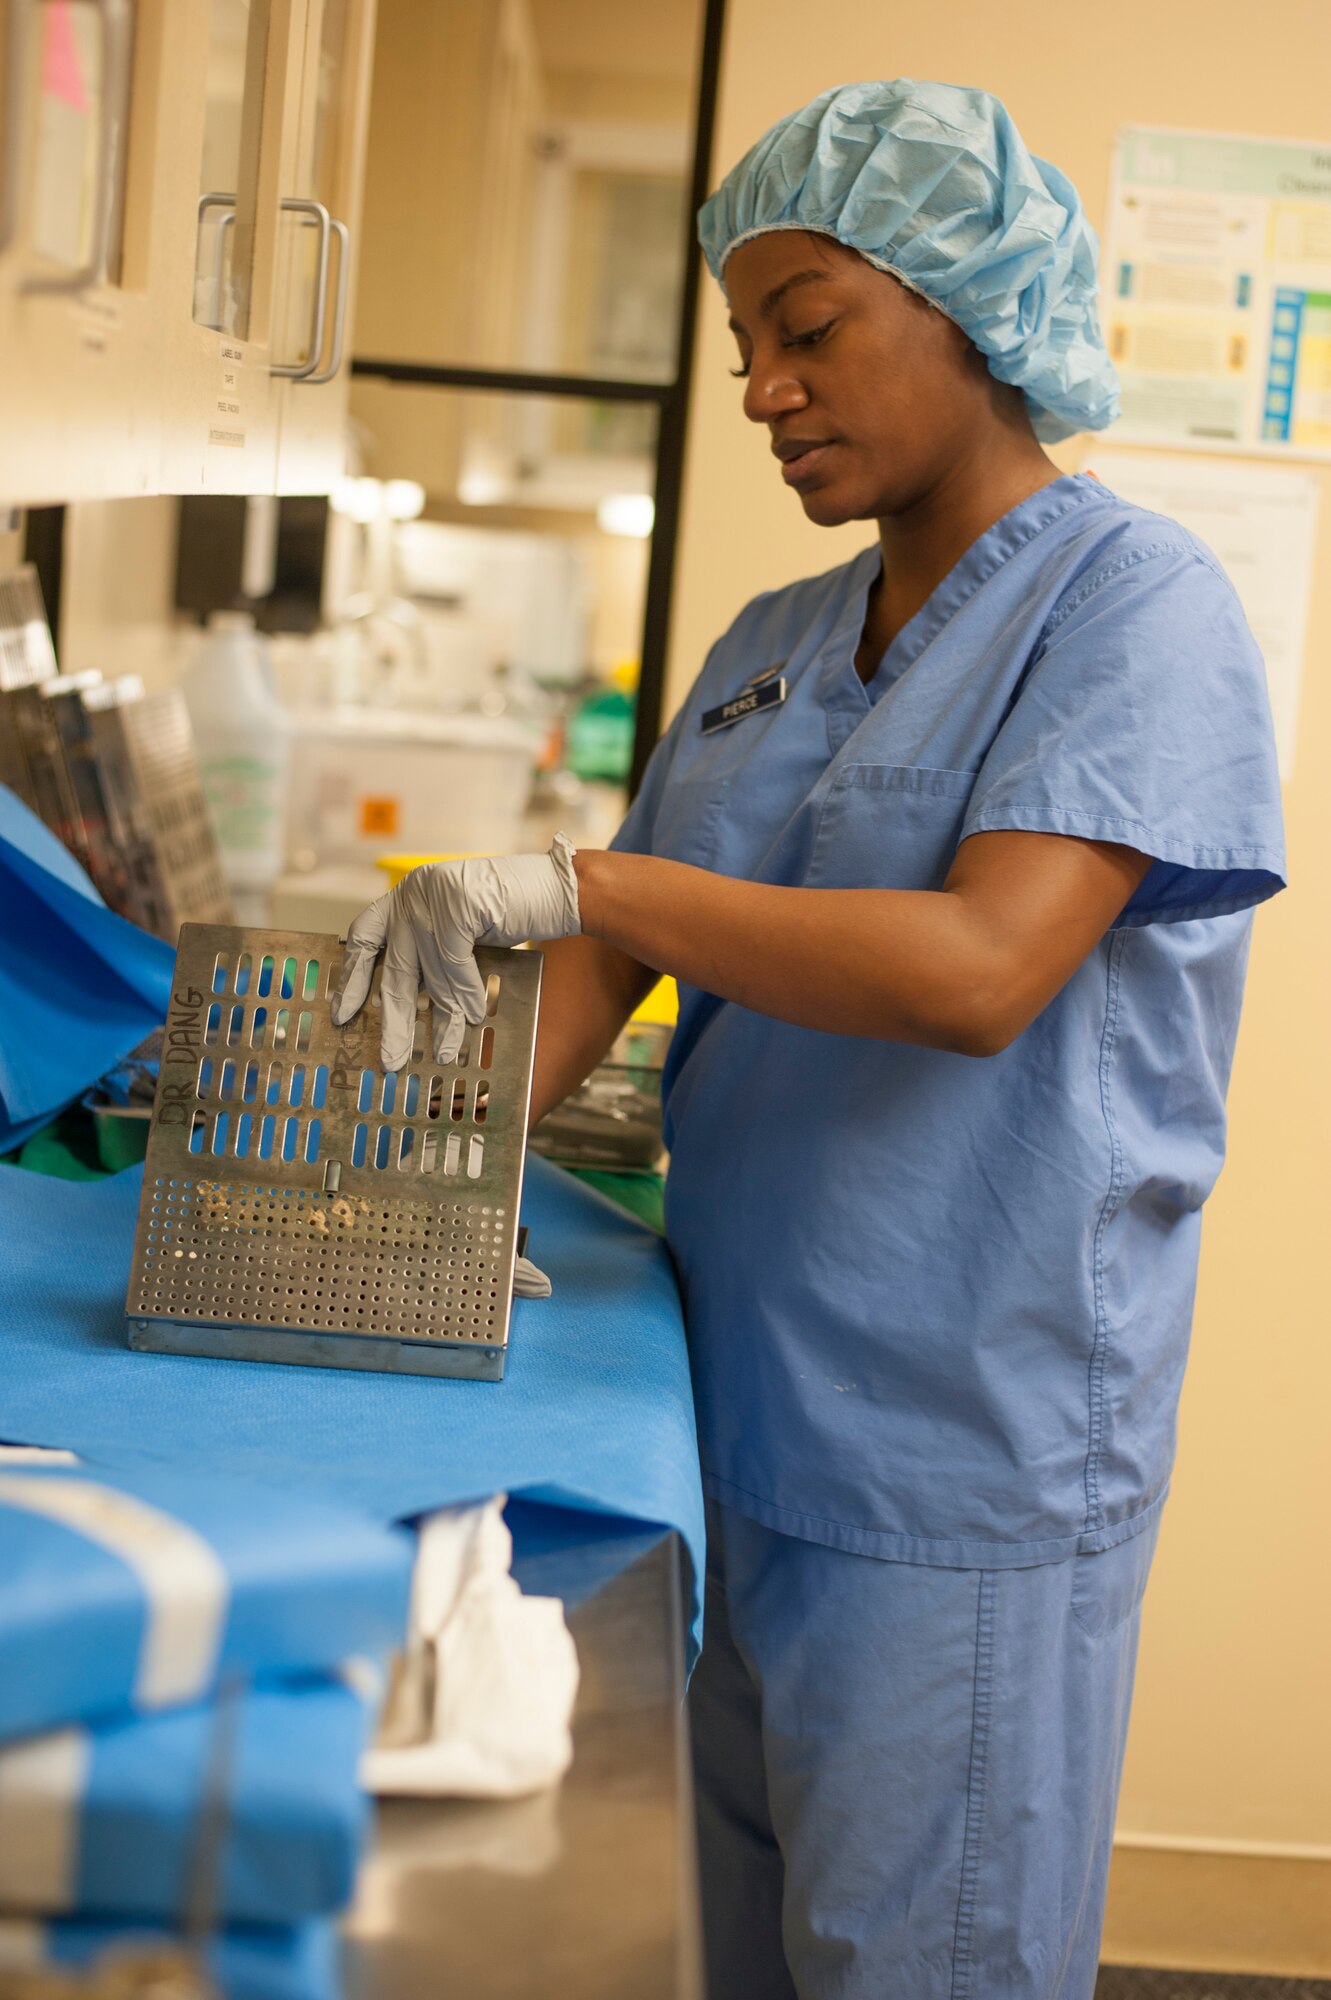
<point x="293" y="1186"/>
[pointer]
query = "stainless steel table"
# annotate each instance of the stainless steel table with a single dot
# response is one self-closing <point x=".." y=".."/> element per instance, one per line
<point x="586" y="1892"/>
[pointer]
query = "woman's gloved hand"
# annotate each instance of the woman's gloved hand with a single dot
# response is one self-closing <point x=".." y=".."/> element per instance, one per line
<point x="428" y="929"/>
<point x="529" y="1280"/>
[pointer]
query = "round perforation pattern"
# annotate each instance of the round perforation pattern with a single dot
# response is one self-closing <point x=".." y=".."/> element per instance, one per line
<point x="278" y="1256"/>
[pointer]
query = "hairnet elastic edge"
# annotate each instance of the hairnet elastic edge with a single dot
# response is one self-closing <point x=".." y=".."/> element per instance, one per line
<point x="821" y="229"/>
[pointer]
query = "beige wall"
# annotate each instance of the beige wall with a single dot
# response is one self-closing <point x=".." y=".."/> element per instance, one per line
<point x="1230" y="1737"/>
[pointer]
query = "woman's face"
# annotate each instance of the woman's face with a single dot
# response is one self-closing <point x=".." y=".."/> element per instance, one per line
<point x="872" y="398"/>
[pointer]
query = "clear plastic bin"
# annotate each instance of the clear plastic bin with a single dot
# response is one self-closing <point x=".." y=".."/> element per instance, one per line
<point x="366" y="782"/>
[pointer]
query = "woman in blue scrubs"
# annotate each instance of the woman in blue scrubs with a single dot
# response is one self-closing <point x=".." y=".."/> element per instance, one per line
<point x="953" y="851"/>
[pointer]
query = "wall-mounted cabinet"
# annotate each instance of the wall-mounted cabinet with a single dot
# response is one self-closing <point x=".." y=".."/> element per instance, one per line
<point x="179" y="205"/>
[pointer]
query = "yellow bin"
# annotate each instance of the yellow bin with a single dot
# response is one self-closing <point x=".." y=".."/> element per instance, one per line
<point x="661" y="1007"/>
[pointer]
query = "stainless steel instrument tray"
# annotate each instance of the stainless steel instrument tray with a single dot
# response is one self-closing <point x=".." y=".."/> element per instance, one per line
<point x="299" y="1203"/>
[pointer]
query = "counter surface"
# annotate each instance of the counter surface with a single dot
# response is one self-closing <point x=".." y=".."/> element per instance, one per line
<point x="587" y="1891"/>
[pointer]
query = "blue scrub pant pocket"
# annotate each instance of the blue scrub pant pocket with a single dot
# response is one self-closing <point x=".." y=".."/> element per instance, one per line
<point x="1108" y="1586"/>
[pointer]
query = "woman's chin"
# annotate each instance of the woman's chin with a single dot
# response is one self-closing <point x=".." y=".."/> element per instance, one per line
<point x="828" y="508"/>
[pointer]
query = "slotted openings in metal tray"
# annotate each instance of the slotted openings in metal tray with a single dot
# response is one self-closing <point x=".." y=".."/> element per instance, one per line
<point x="299" y="1202"/>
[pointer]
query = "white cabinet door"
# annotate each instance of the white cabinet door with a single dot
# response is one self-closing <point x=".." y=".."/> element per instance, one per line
<point x="329" y="174"/>
<point x="85" y="138"/>
<point x="220" y="398"/>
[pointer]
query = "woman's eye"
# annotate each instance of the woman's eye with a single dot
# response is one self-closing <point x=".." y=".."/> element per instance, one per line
<point x="811" y="338"/>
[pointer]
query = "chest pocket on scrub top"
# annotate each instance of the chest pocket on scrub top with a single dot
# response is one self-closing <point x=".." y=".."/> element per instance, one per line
<point x="889" y="826"/>
<point x="688" y="819"/>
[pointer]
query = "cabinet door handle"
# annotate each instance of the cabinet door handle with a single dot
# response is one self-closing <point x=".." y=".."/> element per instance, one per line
<point x="90" y="271"/>
<point x="318" y="214"/>
<point x="228" y="202"/>
<point x="343" y="235"/>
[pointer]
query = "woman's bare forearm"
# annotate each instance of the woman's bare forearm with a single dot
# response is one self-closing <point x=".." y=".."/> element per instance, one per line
<point x="804" y="955"/>
<point x="588" y="991"/>
<point x="964" y="968"/>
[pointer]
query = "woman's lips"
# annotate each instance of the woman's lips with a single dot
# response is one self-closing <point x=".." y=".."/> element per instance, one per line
<point x="796" y="470"/>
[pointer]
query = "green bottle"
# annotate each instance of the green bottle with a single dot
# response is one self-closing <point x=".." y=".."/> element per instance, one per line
<point x="599" y="741"/>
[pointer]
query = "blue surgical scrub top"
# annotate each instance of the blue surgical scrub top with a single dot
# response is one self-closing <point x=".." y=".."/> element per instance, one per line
<point x="938" y="1306"/>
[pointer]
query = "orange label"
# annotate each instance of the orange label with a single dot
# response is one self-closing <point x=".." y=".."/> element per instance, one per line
<point x="380" y="816"/>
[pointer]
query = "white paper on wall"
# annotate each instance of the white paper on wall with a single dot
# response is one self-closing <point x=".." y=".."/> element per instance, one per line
<point x="1216" y="291"/>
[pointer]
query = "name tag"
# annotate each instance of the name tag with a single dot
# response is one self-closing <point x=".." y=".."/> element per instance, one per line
<point x="753" y="703"/>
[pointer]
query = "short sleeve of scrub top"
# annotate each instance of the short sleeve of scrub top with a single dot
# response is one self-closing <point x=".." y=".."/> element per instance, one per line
<point x="1152" y="653"/>
<point x="939" y="1306"/>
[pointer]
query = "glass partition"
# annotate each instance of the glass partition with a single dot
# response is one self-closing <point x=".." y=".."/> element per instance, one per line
<point x="529" y="163"/>
<point x="482" y="453"/>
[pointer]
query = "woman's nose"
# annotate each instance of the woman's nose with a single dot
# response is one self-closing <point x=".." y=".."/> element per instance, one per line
<point x="771" y="391"/>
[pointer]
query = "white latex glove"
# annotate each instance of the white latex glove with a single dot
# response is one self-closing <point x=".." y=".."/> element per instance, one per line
<point x="428" y="929"/>
<point x="529" y="1280"/>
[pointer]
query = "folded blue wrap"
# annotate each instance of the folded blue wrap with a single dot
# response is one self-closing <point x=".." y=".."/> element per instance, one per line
<point x="298" y="1962"/>
<point x="79" y="987"/>
<point x="129" y="1797"/>
<point x="595" y="1411"/>
<point x="557" y="1553"/>
<point x="138" y="1589"/>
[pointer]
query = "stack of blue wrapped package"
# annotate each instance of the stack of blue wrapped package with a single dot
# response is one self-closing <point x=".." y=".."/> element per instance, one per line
<point x="189" y="1668"/>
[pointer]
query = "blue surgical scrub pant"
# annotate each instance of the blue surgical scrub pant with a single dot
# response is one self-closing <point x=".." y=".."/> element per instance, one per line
<point x="906" y="1776"/>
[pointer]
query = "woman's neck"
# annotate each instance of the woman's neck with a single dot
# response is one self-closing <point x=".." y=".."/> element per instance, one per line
<point x="923" y="542"/>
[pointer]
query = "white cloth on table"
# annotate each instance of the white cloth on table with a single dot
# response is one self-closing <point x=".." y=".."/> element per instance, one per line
<point x="482" y="1703"/>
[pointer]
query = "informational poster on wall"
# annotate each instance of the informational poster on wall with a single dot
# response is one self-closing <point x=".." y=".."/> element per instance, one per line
<point x="1261" y="522"/>
<point x="1216" y="292"/>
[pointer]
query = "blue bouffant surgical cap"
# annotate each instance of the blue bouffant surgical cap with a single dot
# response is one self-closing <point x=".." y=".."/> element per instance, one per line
<point x="932" y="183"/>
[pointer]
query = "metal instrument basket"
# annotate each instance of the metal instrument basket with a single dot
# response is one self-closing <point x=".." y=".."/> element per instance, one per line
<point x="300" y="1203"/>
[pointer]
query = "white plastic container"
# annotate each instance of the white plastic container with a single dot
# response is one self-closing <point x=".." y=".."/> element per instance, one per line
<point x="242" y="739"/>
<point x="372" y="781"/>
